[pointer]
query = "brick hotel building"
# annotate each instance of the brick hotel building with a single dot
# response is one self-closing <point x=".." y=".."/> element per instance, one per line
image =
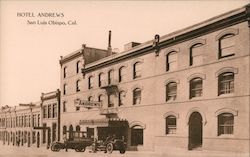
<point x="189" y="89"/>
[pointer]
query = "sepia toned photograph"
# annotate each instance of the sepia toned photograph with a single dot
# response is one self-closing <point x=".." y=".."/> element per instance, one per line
<point x="124" y="78"/>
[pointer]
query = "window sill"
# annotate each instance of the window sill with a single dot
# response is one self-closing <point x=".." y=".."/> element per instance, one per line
<point x="171" y="101"/>
<point x="226" y="95"/>
<point x="196" y="98"/>
<point x="170" y="135"/>
<point x="226" y="136"/>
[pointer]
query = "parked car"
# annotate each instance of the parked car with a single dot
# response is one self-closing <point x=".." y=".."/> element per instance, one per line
<point x="78" y="141"/>
<point x="109" y="145"/>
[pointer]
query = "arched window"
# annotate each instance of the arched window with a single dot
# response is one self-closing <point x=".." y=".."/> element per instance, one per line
<point x="137" y="70"/>
<point x="171" y="125"/>
<point x="226" y="46"/>
<point x="101" y="99"/>
<point x="121" y="73"/>
<point x="101" y="79"/>
<point x="110" y="76"/>
<point x="122" y="96"/>
<point x="90" y="98"/>
<point x="90" y="82"/>
<point x="111" y="100"/>
<point x="78" y="67"/>
<point x="226" y="83"/>
<point x="77" y="85"/>
<point x="64" y="106"/>
<point x="225" y="123"/>
<point x="171" y="91"/>
<point x="78" y="128"/>
<point x="196" y="57"/>
<point x="64" y="72"/>
<point x="65" y="89"/>
<point x="171" y="61"/>
<point x="195" y="87"/>
<point x="64" y="129"/>
<point x="136" y="96"/>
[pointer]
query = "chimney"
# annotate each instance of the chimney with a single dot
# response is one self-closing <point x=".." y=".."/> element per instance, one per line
<point x="109" y="45"/>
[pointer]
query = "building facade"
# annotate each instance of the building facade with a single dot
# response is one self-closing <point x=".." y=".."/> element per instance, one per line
<point x="17" y="125"/>
<point x="50" y="109"/>
<point x="185" y="90"/>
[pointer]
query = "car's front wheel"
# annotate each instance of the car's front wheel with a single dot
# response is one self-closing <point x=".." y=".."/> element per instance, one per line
<point x="109" y="148"/>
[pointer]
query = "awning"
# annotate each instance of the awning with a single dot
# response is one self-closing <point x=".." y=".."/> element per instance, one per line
<point x="93" y="118"/>
<point x="102" y="121"/>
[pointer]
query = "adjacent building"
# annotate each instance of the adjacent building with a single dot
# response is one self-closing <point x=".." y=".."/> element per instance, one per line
<point x="184" y="90"/>
<point x="50" y="109"/>
<point x="17" y="125"/>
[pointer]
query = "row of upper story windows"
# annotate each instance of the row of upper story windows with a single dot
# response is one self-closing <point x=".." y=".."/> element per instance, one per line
<point x="225" y="124"/>
<point x="225" y="86"/>
<point x="226" y="48"/>
<point x="21" y="121"/>
<point x="50" y="111"/>
<point x="111" y="99"/>
<point x="111" y="79"/>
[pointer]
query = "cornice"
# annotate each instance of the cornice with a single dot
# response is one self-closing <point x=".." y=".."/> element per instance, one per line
<point x="240" y="16"/>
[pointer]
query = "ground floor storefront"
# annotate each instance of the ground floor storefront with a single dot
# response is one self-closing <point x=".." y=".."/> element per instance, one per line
<point x="21" y="138"/>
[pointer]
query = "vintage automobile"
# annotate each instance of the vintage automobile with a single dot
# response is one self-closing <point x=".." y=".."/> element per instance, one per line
<point x="109" y="145"/>
<point x="78" y="141"/>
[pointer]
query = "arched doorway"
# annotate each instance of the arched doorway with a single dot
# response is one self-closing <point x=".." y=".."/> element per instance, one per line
<point x="70" y="132"/>
<point x="136" y="135"/>
<point x="195" y="131"/>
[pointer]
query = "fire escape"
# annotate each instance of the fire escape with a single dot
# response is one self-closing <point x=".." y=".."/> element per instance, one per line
<point x="111" y="87"/>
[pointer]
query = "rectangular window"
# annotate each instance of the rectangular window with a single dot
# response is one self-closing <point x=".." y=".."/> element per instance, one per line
<point x="64" y="72"/>
<point x="196" y="52"/>
<point x="170" y="125"/>
<point x="136" y="96"/>
<point x="111" y="100"/>
<point x="226" y="83"/>
<point x="137" y="70"/>
<point x="226" y="46"/>
<point x="171" y="93"/>
<point x="171" y="64"/>
<point x="38" y="120"/>
<point x="225" y="123"/>
<point x="45" y="112"/>
<point x="64" y="89"/>
<point x="54" y="110"/>
<point x="49" y="111"/>
<point x="64" y="106"/>
<point x="90" y="82"/>
<point x="196" y="87"/>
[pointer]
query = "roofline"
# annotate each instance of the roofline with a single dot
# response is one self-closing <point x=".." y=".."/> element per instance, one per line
<point x="76" y="54"/>
<point x="213" y="24"/>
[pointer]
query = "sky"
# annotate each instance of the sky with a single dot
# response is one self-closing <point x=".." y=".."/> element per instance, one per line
<point x="30" y="53"/>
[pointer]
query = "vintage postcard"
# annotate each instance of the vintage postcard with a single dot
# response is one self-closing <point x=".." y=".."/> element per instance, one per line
<point x="124" y="78"/>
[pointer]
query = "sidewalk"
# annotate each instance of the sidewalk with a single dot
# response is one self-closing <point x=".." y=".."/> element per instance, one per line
<point x="15" y="151"/>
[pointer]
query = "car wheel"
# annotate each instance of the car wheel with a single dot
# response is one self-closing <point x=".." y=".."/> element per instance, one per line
<point x="55" y="147"/>
<point x="122" y="151"/>
<point x="109" y="148"/>
<point x="82" y="149"/>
